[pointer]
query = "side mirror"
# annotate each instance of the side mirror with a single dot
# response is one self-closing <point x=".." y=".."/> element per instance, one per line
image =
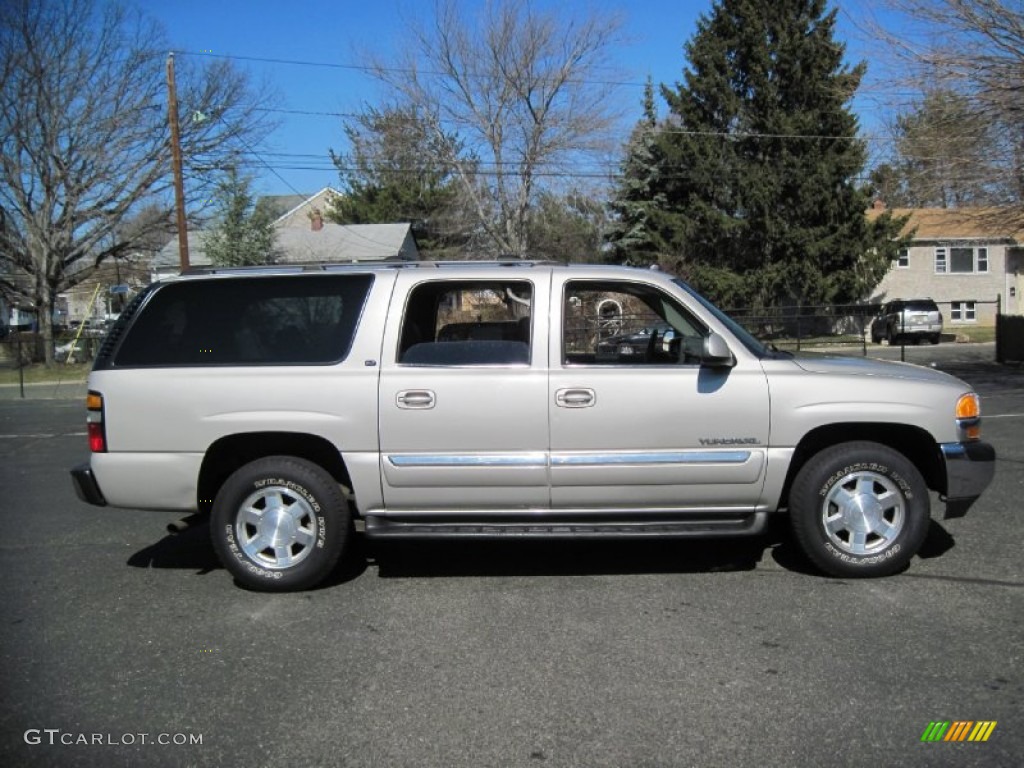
<point x="711" y="350"/>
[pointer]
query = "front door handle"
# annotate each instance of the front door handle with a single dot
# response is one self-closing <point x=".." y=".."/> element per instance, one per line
<point x="420" y="399"/>
<point x="575" y="397"/>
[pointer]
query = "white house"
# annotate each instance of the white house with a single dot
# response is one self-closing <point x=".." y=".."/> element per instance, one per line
<point x="964" y="258"/>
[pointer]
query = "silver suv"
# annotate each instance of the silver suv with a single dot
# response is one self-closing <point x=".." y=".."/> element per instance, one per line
<point x="480" y="400"/>
<point x="913" y="319"/>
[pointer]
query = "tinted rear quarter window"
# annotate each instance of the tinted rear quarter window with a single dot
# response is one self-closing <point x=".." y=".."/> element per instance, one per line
<point x="247" y="321"/>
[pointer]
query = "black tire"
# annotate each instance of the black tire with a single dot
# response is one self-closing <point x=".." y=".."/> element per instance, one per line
<point x="859" y="509"/>
<point x="296" y="548"/>
<point x="936" y="338"/>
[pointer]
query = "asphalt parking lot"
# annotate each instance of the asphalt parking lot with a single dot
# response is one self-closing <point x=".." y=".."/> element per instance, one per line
<point x="117" y="637"/>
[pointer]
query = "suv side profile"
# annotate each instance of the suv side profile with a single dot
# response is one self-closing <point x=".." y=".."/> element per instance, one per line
<point x="913" y="319"/>
<point x="481" y="400"/>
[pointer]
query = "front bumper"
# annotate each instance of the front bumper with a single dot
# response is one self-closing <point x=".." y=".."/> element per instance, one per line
<point x="969" y="469"/>
<point x="86" y="487"/>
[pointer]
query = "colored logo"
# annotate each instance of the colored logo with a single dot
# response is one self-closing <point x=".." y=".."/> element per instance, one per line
<point x="958" y="730"/>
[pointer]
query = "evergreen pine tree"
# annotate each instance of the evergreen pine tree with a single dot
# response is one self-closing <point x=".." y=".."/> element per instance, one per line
<point x="243" y="232"/>
<point x="759" y="162"/>
<point x="629" y="239"/>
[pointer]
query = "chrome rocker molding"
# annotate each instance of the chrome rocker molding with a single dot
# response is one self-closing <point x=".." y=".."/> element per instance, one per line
<point x="563" y="523"/>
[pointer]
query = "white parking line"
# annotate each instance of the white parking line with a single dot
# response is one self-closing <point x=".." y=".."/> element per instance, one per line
<point x="42" y="435"/>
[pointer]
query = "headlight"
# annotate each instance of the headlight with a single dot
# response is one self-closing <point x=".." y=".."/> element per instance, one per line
<point x="968" y="416"/>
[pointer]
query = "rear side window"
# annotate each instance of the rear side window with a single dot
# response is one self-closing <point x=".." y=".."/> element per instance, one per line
<point x="247" y="321"/>
<point x="463" y="323"/>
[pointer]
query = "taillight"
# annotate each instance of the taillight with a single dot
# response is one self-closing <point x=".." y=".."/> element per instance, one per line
<point x="94" y="423"/>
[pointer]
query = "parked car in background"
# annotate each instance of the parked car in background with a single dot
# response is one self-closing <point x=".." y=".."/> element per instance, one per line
<point x="913" y="319"/>
<point x="638" y="345"/>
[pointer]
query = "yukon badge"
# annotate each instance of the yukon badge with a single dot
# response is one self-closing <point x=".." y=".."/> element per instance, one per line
<point x="729" y="441"/>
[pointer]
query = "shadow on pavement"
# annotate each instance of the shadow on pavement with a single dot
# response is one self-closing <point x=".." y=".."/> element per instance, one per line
<point x="192" y="550"/>
<point x="566" y="557"/>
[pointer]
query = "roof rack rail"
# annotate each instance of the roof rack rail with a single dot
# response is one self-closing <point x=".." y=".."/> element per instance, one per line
<point x="297" y="267"/>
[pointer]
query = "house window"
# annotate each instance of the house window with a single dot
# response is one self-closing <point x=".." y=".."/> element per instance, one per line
<point x="962" y="312"/>
<point x="903" y="259"/>
<point x="961" y="260"/>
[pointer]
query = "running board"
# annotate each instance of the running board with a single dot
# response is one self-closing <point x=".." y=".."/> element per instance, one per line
<point x="380" y="527"/>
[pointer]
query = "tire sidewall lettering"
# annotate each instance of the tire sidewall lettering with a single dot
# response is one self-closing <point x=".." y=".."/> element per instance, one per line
<point x="290" y="485"/>
<point x="866" y="466"/>
<point x="849" y="559"/>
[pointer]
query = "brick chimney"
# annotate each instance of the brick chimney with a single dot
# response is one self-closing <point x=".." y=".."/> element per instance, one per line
<point x="316" y="220"/>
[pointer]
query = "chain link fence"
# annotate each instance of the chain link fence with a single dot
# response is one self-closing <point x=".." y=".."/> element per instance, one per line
<point x="848" y="327"/>
<point x="22" y="354"/>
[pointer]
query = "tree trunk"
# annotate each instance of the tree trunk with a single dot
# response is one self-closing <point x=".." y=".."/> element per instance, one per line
<point x="44" y="300"/>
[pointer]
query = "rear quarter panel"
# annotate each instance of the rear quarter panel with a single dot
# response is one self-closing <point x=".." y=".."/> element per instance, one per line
<point x="160" y="421"/>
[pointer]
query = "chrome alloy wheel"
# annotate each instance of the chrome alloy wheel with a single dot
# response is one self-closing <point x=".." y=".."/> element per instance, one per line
<point x="863" y="513"/>
<point x="276" y="527"/>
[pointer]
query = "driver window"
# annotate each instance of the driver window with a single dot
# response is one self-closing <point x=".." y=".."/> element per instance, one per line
<point x="619" y="323"/>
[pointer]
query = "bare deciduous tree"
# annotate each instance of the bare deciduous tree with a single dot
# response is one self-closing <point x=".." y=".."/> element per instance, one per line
<point x="525" y="93"/>
<point x="974" y="48"/>
<point x="84" y="137"/>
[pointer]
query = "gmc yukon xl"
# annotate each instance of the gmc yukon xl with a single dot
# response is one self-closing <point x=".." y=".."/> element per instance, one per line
<point x="507" y="400"/>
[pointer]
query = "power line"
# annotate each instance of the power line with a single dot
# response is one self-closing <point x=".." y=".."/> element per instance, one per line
<point x="369" y="69"/>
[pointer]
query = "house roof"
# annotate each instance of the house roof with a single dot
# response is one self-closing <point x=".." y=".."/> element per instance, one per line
<point x="346" y="242"/>
<point x="334" y="242"/>
<point x="993" y="224"/>
<point x="303" y="206"/>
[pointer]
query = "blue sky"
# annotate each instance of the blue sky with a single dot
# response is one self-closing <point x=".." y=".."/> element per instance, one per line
<point x="294" y="157"/>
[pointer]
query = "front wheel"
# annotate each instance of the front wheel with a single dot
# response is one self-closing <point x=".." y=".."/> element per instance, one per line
<point x="859" y="509"/>
<point x="279" y="523"/>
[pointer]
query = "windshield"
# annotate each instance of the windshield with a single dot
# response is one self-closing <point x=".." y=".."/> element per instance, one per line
<point x="735" y="328"/>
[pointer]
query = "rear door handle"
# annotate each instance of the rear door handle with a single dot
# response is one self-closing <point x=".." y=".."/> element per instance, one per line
<point x="420" y="399"/>
<point x="575" y="397"/>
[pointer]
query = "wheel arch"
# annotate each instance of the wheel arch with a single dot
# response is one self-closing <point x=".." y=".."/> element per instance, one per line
<point x="913" y="442"/>
<point x="231" y="452"/>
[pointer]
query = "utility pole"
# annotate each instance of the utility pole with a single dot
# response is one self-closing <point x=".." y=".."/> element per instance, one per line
<point x="179" y="187"/>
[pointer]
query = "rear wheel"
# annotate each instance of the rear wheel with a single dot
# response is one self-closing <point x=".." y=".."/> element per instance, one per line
<point x="280" y="523"/>
<point x="859" y="509"/>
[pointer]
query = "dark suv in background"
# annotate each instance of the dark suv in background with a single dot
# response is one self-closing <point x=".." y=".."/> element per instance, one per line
<point x="913" y="319"/>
